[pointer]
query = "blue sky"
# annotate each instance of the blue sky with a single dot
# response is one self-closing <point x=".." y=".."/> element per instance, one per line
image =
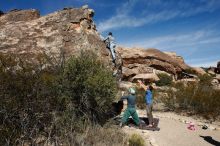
<point x="191" y="28"/>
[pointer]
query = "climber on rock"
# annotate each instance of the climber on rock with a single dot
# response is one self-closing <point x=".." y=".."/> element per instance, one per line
<point x="109" y="40"/>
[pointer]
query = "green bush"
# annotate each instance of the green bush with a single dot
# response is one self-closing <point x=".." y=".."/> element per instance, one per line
<point x="191" y="71"/>
<point x="89" y="85"/>
<point x="165" y="80"/>
<point x="52" y="102"/>
<point x="27" y="98"/>
<point x="136" y="140"/>
<point x="205" y="79"/>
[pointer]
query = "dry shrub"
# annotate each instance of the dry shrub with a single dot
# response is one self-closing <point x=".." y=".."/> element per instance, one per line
<point x="84" y="133"/>
<point x="196" y="98"/>
<point x="136" y="140"/>
<point x="52" y="103"/>
<point x="104" y="136"/>
<point x="165" y="80"/>
<point x="140" y="98"/>
<point x="27" y="98"/>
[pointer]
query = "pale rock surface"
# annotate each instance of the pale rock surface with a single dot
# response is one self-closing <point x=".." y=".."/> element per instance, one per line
<point x="141" y="61"/>
<point x="67" y="32"/>
<point x="199" y="70"/>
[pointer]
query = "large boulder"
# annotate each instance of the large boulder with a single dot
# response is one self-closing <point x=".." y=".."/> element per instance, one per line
<point x="175" y="56"/>
<point x="217" y="77"/>
<point x="139" y="61"/>
<point x="18" y="15"/>
<point x="149" y="76"/>
<point x="68" y="31"/>
<point x="123" y="85"/>
<point x="199" y="70"/>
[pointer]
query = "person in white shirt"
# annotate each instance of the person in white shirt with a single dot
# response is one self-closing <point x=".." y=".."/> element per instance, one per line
<point x="110" y="42"/>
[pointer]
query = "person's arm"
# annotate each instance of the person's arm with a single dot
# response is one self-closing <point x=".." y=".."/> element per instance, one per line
<point x="105" y="39"/>
<point x="124" y="97"/>
<point x="142" y="85"/>
<point x="102" y="38"/>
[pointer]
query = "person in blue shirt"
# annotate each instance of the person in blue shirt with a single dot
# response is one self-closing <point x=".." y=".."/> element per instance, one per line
<point x="149" y="101"/>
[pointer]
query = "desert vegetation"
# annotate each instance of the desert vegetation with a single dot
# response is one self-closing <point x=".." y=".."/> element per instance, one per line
<point x="136" y="140"/>
<point x="63" y="103"/>
<point x="165" y="80"/>
<point x="195" y="98"/>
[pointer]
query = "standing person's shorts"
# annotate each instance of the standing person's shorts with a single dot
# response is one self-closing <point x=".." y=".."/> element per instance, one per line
<point x="149" y="108"/>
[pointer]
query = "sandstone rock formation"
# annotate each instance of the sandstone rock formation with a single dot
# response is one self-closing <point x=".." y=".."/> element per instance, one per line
<point x="140" y="61"/>
<point x="18" y="15"/>
<point x="218" y="77"/>
<point x="71" y="30"/>
<point x="199" y="70"/>
<point x="149" y="76"/>
<point x="175" y="56"/>
<point x="67" y="31"/>
<point x="123" y="85"/>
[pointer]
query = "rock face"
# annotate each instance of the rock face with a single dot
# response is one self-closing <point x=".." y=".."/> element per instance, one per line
<point x="140" y="61"/>
<point x="218" y="77"/>
<point x="71" y="30"/>
<point x="68" y="31"/>
<point x="18" y="15"/>
<point x="123" y="85"/>
<point x="175" y="56"/>
<point x="199" y="70"/>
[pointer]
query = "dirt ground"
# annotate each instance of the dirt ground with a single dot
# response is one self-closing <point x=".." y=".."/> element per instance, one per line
<point x="174" y="132"/>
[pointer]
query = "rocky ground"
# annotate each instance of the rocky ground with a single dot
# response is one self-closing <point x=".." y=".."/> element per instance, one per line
<point x="173" y="131"/>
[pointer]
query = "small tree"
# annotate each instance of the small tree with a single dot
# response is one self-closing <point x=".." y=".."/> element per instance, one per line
<point x="205" y="79"/>
<point x="89" y="85"/>
<point x="191" y="71"/>
<point x="164" y="80"/>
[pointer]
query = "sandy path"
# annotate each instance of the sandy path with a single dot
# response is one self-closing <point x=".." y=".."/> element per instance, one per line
<point x="174" y="132"/>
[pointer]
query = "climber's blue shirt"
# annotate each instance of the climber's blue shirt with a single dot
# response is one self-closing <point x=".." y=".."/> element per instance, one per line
<point x="148" y="97"/>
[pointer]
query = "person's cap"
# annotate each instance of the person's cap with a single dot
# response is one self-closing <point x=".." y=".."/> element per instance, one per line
<point x="131" y="91"/>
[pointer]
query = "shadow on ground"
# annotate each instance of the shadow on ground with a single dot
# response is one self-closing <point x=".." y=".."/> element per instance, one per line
<point x="210" y="140"/>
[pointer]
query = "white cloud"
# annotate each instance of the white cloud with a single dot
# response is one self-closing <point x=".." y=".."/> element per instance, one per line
<point x="204" y="64"/>
<point x="167" y="11"/>
<point x="185" y="44"/>
<point x="176" y="40"/>
<point x="121" y="18"/>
